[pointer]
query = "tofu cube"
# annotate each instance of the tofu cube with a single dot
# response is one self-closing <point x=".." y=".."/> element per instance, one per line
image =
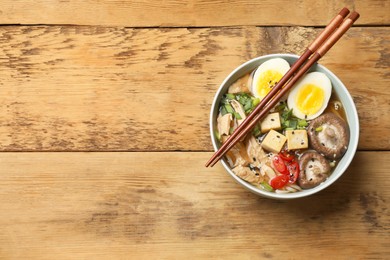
<point x="271" y="121"/>
<point x="273" y="142"/>
<point x="296" y="139"/>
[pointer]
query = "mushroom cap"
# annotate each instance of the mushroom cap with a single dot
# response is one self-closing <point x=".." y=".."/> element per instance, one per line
<point x="314" y="170"/>
<point x="333" y="139"/>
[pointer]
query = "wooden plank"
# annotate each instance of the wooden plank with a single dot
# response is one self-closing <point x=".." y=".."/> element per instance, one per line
<point x="189" y="13"/>
<point x="66" y="88"/>
<point x="167" y="205"/>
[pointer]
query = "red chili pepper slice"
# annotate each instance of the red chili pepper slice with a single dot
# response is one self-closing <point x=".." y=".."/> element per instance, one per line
<point x="293" y="169"/>
<point x="279" y="165"/>
<point x="286" y="156"/>
<point x="279" y="181"/>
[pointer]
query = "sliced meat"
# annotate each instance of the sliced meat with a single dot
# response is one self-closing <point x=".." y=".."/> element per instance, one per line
<point x="238" y="155"/>
<point x="267" y="170"/>
<point x="255" y="152"/>
<point x="247" y="174"/>
<point x="241" y="85"/>
<point x="239" y="109"/>
<point x="224" y="123"/>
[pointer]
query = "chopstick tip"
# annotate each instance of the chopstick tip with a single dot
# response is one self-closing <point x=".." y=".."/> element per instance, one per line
<point x="354" y="16"/>
<point x="344" y="12"/>
<point x="209" y="163"/>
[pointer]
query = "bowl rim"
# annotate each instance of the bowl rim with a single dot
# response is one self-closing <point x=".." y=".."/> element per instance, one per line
<point x="352" y="146"/>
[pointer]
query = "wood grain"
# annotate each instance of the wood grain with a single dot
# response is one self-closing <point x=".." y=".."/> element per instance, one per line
<point x="191" y="13"/>
<point x="140" y="76"/>
<point x="148" y="205"/>
<point x="66" y="88"/>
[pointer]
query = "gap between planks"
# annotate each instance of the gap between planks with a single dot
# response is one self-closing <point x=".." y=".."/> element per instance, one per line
<point x="190" y="27"/>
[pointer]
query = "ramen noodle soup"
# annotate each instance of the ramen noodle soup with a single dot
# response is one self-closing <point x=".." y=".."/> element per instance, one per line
<point x="298" y="143"/>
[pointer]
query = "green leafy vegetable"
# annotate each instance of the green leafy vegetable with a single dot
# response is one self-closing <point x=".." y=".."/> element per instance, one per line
<point x="217" y="135"/>
<point x="290" y="122"/>
<point x="223" y="110"/>
<point x="248" y="105"/>
<point x="302" y="123"/>
<point x="230" y="96"/>
<point x="229" y="109"/>
<point x="256" y="131"/>
<point x="247" y="101"/>
<point x="293" y="123"/>
<point x="266" y="186"/>
<point x="237" y="115"/>
<point x="281" y="107"/>
<point x="255" y="102"/>
<point x="287" y="114"/>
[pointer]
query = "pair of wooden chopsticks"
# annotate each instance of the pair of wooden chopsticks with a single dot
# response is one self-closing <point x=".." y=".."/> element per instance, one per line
<point x="316" y="50"/>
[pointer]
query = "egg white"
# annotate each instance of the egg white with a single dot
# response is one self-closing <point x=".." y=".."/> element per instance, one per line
<point x="317" y="79"/>
<point x="277" y="64"/>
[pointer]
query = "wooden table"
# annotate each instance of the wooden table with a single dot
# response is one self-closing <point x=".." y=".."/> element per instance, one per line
<point x="104" y="132"/>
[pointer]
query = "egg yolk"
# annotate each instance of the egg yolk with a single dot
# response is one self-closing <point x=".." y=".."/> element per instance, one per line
<point x="266" y="81"/>
<point x="309" y="99"/>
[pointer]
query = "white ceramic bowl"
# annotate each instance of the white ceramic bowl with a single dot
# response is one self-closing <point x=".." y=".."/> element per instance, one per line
<point x="338" y="87"/>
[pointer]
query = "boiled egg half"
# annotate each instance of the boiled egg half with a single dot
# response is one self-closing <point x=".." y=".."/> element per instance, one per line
<point x="310" y="96"/>
<point x="267" y="75"/>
